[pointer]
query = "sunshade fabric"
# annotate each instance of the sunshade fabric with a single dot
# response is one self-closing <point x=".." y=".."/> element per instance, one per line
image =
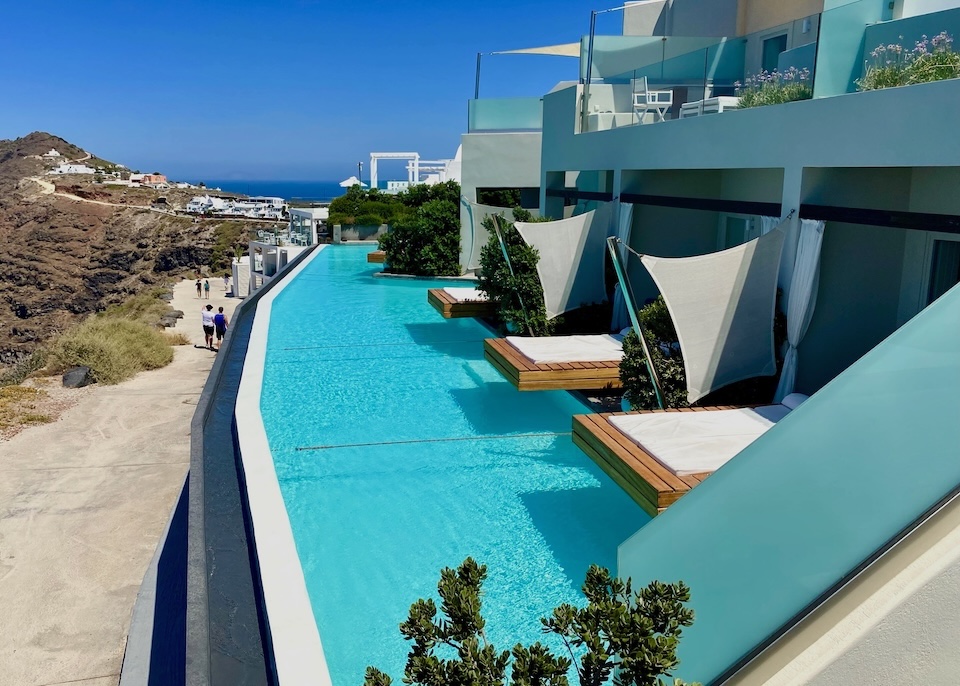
<point x="478" y="234"/>
<point x="563" y="50"/>
<point x="571" y="258"/>
<point x="722" y="306"/>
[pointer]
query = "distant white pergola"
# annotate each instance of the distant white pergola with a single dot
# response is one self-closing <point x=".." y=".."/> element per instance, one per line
<point x="413" y="166"/>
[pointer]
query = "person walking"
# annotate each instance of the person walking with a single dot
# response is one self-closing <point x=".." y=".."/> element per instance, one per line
<point x="220" y="325"/>
<point x="206" y="288"/>
<point x="199" y="288"/>
<point x="226" y="282"/>
<point x="206" y="318"/>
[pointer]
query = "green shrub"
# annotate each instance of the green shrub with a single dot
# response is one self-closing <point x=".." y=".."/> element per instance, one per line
<point x="499" y="197"/>
<point x="424" y="236"/>
<point x="667" y="360"/>
<point x="506" y="291"/>
<point x="893" y="65"/>
<point x="369" y="220"/>
<point x="146" y="307"/>
<point x="774" y="88"/>
<point x="631" y="636"/>
<point x="115" y="349"/>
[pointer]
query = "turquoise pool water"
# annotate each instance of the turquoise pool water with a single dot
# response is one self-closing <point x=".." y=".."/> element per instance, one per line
<point x="400" y="450"/>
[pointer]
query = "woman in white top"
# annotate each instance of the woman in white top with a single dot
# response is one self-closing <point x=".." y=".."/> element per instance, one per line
<point x="206" y="317"/>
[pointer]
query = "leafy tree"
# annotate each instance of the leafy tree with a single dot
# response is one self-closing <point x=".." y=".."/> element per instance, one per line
<point x="425" y="241"/>
<point x="512" y="294"/>
<point x="664" y="346"/>
<point x="499" y="197"/>
<point x="632" y="637"/>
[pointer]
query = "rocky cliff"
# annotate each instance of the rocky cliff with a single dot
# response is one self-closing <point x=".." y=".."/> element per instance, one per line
<point x="72" y="247"/>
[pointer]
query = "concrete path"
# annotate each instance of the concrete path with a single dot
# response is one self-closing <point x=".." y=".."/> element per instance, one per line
<point x="83" y="502"/>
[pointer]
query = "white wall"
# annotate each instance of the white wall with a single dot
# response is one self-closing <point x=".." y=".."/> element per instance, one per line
<point x="913" y="8"/>
<point x="493" y="160"/>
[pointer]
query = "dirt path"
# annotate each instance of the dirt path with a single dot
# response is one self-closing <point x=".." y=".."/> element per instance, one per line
<point x="83" y="502"/>
<point x="48" y="188"/>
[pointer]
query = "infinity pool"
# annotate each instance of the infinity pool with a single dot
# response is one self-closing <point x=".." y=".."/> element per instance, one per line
<point x="399" y="451"/>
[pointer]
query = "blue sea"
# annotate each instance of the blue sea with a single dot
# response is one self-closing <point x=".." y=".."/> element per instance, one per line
<point x="314" y="191"/>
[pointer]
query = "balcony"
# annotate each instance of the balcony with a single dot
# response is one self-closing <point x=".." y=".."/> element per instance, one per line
<point x="504" y="115"/>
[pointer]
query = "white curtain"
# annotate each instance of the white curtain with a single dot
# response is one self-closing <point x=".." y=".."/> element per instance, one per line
<point x="802" y="299"/>
<point x="571" y="258"/>
<point x="621" y="318"/>
<point x="768" y="224"/>
<point x="722" y="305"/>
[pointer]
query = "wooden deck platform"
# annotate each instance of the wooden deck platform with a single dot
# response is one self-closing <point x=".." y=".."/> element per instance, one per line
<point x="377" y="256"/>
<point x="451" y="308"/>
<point x="652" y="485"/>
<point x="526" y="375"/>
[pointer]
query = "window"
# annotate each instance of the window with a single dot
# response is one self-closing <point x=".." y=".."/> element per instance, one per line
<point x="944" y="268"/>
<point x="772" y="47"/>
<point x="736" y="229"/>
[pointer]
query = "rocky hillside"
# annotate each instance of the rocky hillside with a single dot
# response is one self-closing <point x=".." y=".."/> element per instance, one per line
<point x="72" y="248"/>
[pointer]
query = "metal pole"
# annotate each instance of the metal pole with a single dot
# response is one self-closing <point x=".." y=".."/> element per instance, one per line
<point x="476" y="84"/>
<point x="360" y="172"/>
<point x="627" y="293"/>
<point x="506" y="256"/>
<point x="586" y="78"/>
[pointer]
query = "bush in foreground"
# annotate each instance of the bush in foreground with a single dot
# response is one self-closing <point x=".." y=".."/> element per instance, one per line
<point x="114" y="349"/>
<point x="632" y="637"/>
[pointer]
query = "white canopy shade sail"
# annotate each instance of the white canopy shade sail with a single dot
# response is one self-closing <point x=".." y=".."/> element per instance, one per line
<point x="478" y="235"/>
<point x="571" y="258"/>
<point x="722" y="305"/>
<point x="563" y="50"/>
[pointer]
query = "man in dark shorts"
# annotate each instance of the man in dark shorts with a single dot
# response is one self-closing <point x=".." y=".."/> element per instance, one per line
<point x="206" y="318"/>
<point x="220" y="325"/>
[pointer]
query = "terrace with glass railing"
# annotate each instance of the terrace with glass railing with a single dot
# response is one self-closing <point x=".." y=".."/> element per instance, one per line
<point x="638" y="80"/>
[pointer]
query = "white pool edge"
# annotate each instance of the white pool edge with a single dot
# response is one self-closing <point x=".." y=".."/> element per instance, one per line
<point x="295" y="638"/>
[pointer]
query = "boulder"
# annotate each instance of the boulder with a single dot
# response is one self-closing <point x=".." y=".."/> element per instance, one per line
<point x="77" y="377"/>
<point x="166" y="321"/>
<point x="176" y="314"/>
<point x="166" y="296"/>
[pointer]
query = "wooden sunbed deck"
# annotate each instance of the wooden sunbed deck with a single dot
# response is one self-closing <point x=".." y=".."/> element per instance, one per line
<point x="451" y="308"/>
<point x="526" y="375"/>
<point x="377" y="256"/>
<point x="652" y="485"/>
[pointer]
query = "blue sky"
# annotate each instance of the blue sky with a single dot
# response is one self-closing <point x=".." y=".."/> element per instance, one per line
<point x="253" y="89"/>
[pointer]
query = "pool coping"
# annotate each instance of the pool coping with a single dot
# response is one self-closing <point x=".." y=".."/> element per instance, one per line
<point x="298" y="656"/>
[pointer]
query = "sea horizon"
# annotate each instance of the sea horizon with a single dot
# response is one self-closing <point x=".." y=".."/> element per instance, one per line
<point x="306" y="190"/>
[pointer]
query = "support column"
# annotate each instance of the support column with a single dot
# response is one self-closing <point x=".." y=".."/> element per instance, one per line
<point x="790" y="198"/>
<point x="373" y="171"/>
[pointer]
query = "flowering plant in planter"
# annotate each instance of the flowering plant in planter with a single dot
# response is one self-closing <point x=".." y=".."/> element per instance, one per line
<point x="775" y="87"/>
<point x="931" y="59"/>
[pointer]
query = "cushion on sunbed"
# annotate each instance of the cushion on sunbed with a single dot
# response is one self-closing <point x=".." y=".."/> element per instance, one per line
<point x="695" y="442"/>
<point x="559" y="349"/>
<point x="465" y="294"/>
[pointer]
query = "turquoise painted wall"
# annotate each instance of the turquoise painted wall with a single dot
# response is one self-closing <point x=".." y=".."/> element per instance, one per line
<point x="842" y="27"/>
<point x="804" y="57"/>
<point x="911" y="30"/>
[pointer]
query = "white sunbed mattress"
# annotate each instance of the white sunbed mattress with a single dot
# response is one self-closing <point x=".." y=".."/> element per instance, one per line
<point x="557" y="349"/>
<point x="695" y="442"/>
<point x="465" y="294"/>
